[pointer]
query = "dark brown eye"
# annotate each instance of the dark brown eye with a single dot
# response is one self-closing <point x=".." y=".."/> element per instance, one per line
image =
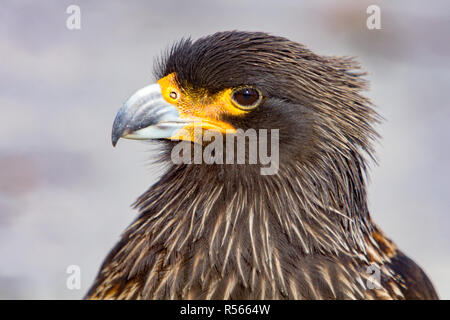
<point x="247" y="98"/>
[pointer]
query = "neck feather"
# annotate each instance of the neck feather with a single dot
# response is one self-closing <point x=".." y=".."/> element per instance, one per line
<point x="231" y="210"/>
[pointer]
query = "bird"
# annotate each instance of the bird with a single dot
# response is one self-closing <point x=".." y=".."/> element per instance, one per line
<point x="227" y="230"/>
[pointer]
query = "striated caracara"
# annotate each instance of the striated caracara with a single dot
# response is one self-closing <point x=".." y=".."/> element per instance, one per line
<point x="227" y="230"/>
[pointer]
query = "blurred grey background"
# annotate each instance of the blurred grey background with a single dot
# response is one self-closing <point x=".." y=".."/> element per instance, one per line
<point x="65" y="193"/>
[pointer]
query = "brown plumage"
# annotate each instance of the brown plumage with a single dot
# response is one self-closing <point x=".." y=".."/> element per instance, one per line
<point x="224" y="231"/>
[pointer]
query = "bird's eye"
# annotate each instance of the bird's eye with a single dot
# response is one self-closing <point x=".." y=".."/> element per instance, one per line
<point x="246" y="98"/>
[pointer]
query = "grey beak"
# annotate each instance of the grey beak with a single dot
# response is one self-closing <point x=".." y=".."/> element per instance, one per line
<point x="146" y="115"/>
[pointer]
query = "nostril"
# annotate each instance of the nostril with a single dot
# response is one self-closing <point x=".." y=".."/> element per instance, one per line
<point x="173" y="95"/>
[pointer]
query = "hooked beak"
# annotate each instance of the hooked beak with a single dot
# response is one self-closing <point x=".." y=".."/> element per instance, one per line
<point x="147" y="115"/>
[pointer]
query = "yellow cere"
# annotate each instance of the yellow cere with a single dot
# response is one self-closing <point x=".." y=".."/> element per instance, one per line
<point x="204" y="110"/>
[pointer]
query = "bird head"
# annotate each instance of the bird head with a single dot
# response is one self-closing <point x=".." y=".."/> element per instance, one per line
<point x="241" y="80"/>
<point x="229" y="81"/>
